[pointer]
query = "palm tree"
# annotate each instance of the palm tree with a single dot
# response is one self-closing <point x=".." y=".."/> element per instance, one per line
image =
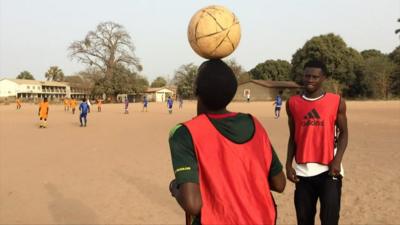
<point x="54" y="74"/>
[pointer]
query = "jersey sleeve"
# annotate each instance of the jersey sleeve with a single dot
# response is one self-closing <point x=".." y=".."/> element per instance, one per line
<point x="184" y="160"/>
<point x="276" y="165"/>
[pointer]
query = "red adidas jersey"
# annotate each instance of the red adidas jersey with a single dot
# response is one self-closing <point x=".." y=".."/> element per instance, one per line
<point x="233" y="177"/>
<point x="314" y="123"/>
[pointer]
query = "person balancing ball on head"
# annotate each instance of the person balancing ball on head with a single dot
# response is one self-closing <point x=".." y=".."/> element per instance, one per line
<point x="225" y="166"/>
<point x="313" y="118"/>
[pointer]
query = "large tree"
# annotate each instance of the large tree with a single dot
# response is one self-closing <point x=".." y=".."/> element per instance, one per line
<point x="184" y="80"/>
<point x="240" y="73"/>
<point x="395" y="77"/>
<point x="106" y="47"/>
<point x="271" y="70"/>
<point x="341" y="61"/>
<point x="378" y="72"/>
<point x="54" y="74"/>
<point x="122" y="81"/>
<point x="80" y="80"/>
<point x="395" y="55"/>
<point x="371" y="53"/>
<point x="25" y="75"/>
<point x="377" y="77"/>
<point x="158" y="82"/>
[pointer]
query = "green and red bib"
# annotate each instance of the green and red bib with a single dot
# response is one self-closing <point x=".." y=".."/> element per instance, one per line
<point x="233" y="177"/>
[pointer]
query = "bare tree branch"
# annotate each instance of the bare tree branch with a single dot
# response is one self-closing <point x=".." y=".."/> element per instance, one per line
<point x="106" y="47"/>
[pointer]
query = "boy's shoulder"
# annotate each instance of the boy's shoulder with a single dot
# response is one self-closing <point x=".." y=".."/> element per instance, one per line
<point x="179" y="133"/>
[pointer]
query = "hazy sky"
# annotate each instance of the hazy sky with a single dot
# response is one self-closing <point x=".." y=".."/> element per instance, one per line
<point x="35" y="34"/>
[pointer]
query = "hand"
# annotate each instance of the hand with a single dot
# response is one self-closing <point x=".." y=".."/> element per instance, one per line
<point x="173" y="188"/>
<point x="291" y="174"/>
<point x="334" y="167"/>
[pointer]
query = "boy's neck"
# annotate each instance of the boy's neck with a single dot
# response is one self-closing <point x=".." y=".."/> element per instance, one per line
<point x="314" y="94"/>
<point x="221" y="111"/>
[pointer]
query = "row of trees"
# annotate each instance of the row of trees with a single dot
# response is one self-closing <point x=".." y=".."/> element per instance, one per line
<point x="53" y="74"/>
<point x="366" y="74"/>
<point x="113" y="68"/>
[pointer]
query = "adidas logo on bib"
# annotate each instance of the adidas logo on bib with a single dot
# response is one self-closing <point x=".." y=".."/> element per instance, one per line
<point x="312" y="118"/>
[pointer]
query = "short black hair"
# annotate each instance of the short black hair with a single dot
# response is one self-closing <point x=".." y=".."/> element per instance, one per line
<point x="216" y="84"/>
<point x="315" y="63"/>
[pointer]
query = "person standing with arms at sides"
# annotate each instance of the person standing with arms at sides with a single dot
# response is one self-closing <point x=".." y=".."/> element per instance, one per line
<point x="278" y="104"/>
<point x="18" y="101"/>
<point x="225" y="166"/>
<point x="66" y="105"/>
<point x="313" y="118"/>
<point x="43" y="113"/>
<point x="69" y="104"/>
<point x="99" y="101"/>
<point x="84" y="108"/>
<point x="145" y="103"/>
<point x="73" y="105"/>
<point x="248" y="97"/>
<point x="170" y="103"/>
<point x="180" y="102"/>
<point x="126" y="105"/>
<point x="88" y="102"/>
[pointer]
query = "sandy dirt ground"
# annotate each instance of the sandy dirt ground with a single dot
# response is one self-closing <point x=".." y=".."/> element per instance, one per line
<point x="117" y="170"/>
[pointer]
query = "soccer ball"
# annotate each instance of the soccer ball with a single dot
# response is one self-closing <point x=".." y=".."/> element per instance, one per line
<point x="214" y="32"/>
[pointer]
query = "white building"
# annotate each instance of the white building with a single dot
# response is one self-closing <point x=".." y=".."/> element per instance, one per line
<point x="33" y="89"/>
<point x="159" y="94"/>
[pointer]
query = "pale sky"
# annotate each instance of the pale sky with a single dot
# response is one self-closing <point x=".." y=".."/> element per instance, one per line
<point x="35" y="34"/>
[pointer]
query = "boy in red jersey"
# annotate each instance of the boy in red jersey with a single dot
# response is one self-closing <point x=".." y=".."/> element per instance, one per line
<point x="224" y="164"/>
<point x="313" y="118"/>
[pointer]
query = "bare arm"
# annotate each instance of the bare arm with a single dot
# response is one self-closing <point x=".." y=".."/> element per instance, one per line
<point x="277" y="183"/>
<point x="188" y="196"/>
<point x="290" y="172"/>
<point x="341" y="122"/>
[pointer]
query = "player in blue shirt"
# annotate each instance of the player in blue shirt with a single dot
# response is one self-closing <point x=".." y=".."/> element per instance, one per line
<point x="126" y="105"/>
<point x="278" y="104"/>
<point x="84" y="108"/>
<point x="170" y="102"/>
<point x="145" y="103"/>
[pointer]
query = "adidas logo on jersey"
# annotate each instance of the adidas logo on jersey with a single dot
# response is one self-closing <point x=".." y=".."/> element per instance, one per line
<point x="312" y="118"/>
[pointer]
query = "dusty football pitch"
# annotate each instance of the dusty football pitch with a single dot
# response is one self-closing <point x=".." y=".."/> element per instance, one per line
<point x="117" y="170"/>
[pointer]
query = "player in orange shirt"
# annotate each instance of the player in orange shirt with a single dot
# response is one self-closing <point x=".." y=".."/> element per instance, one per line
<point x="18" y="101"/>
<point x="99" y="102"/>
<point x="43" y="112"/>
<point x="73" y="105"/>
<point x="66" y="104"/>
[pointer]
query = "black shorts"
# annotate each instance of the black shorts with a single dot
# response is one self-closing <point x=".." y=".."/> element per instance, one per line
<point x="277" y="108"/>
